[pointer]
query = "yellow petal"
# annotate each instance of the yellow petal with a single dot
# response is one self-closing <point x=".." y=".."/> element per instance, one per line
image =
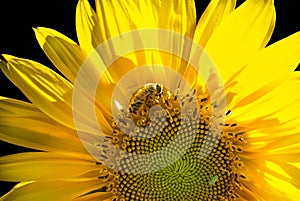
<point x="287" y="157"/>
<point x="116" y="17"/>
<point x="214" y="14"/>
<point x="45" y="88"/>
<point x="178" y="16"/>
<point x="272" y="65"/>
<point x="25" y="125"/>
<point x="149" y="8"/>
<point x="51" y="191"/>
<point x="292" y="188"/>
<point x="87" y="26"/>
<point x="39" y="166"/>
<point x="94" y="197"/>
<point x="15" y="187"/>
<point x="294" y="173"/>
<point x="280" y="102"/>
<point x="272" y="146"/>
<point x="284" y="143"/>
<point x="48" y="91"/>
<point x="257" y="183"/>
<point x="242" y="34"/>
<point x="113" y="18"/>
<point x="64" y="53"/>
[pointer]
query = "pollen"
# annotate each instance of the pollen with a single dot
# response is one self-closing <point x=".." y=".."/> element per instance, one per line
<point x="208" y="169"/>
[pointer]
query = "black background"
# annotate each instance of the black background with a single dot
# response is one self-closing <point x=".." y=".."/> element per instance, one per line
<point x="17" y="37"/>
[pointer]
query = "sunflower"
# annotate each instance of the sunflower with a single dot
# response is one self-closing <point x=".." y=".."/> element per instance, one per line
<point x="153" y="105"/>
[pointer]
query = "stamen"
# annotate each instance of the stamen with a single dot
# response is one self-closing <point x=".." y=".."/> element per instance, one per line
<point x="228" y="113"/>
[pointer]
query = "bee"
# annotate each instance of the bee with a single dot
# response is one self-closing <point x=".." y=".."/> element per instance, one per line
<point x="142" y="100"/>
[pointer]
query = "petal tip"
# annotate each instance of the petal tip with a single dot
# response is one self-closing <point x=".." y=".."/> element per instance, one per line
<point x="7" y="57"/>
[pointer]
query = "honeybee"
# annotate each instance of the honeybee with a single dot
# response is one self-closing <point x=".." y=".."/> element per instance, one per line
<point x="142" y="100"/>
<point x="145" y="96"/>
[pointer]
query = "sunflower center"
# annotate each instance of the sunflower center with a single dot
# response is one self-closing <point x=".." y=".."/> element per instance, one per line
<point x="207" y="169"/>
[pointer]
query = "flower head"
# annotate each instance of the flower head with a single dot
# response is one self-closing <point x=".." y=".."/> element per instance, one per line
<point x="154" y="105"/>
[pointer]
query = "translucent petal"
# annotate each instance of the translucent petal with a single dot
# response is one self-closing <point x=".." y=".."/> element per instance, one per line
<point x="52" y="190"/>
<point x="64" y="53"/>
<point x="267" y="70"/>
<point x="45" y="88"/>
<point x="241" y="35"/>
<point x="149" y="8"/>
<point x="25" y="125"/>
<point x="39" y="166"/>
<point x="94" y="197"/>
<point x="214" y="14"/>
<point x="87" y="26"/>
<point x="178" y="16"/>
<point x="116" y="17"/>
<point x="279" y="102"/>
<point x="48" y="91"/>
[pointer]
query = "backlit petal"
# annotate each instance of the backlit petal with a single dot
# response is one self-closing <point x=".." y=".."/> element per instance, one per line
<point x="25" y="125"/>
<point x="241" y="35"/>
<point x="277" y="60"/>
<point x="48" y="91"/>
<point x="51" y="191"/>
<point x="64" y="53"/>
<point x="178" y="16"/>
<point x="115" y="17"/>
<point x="214" y="14"/>
<point x="94" y="197"/>
<point x="45" y="88"/>
<point x="87" y="26"/>
<point x="43" y="166"/>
